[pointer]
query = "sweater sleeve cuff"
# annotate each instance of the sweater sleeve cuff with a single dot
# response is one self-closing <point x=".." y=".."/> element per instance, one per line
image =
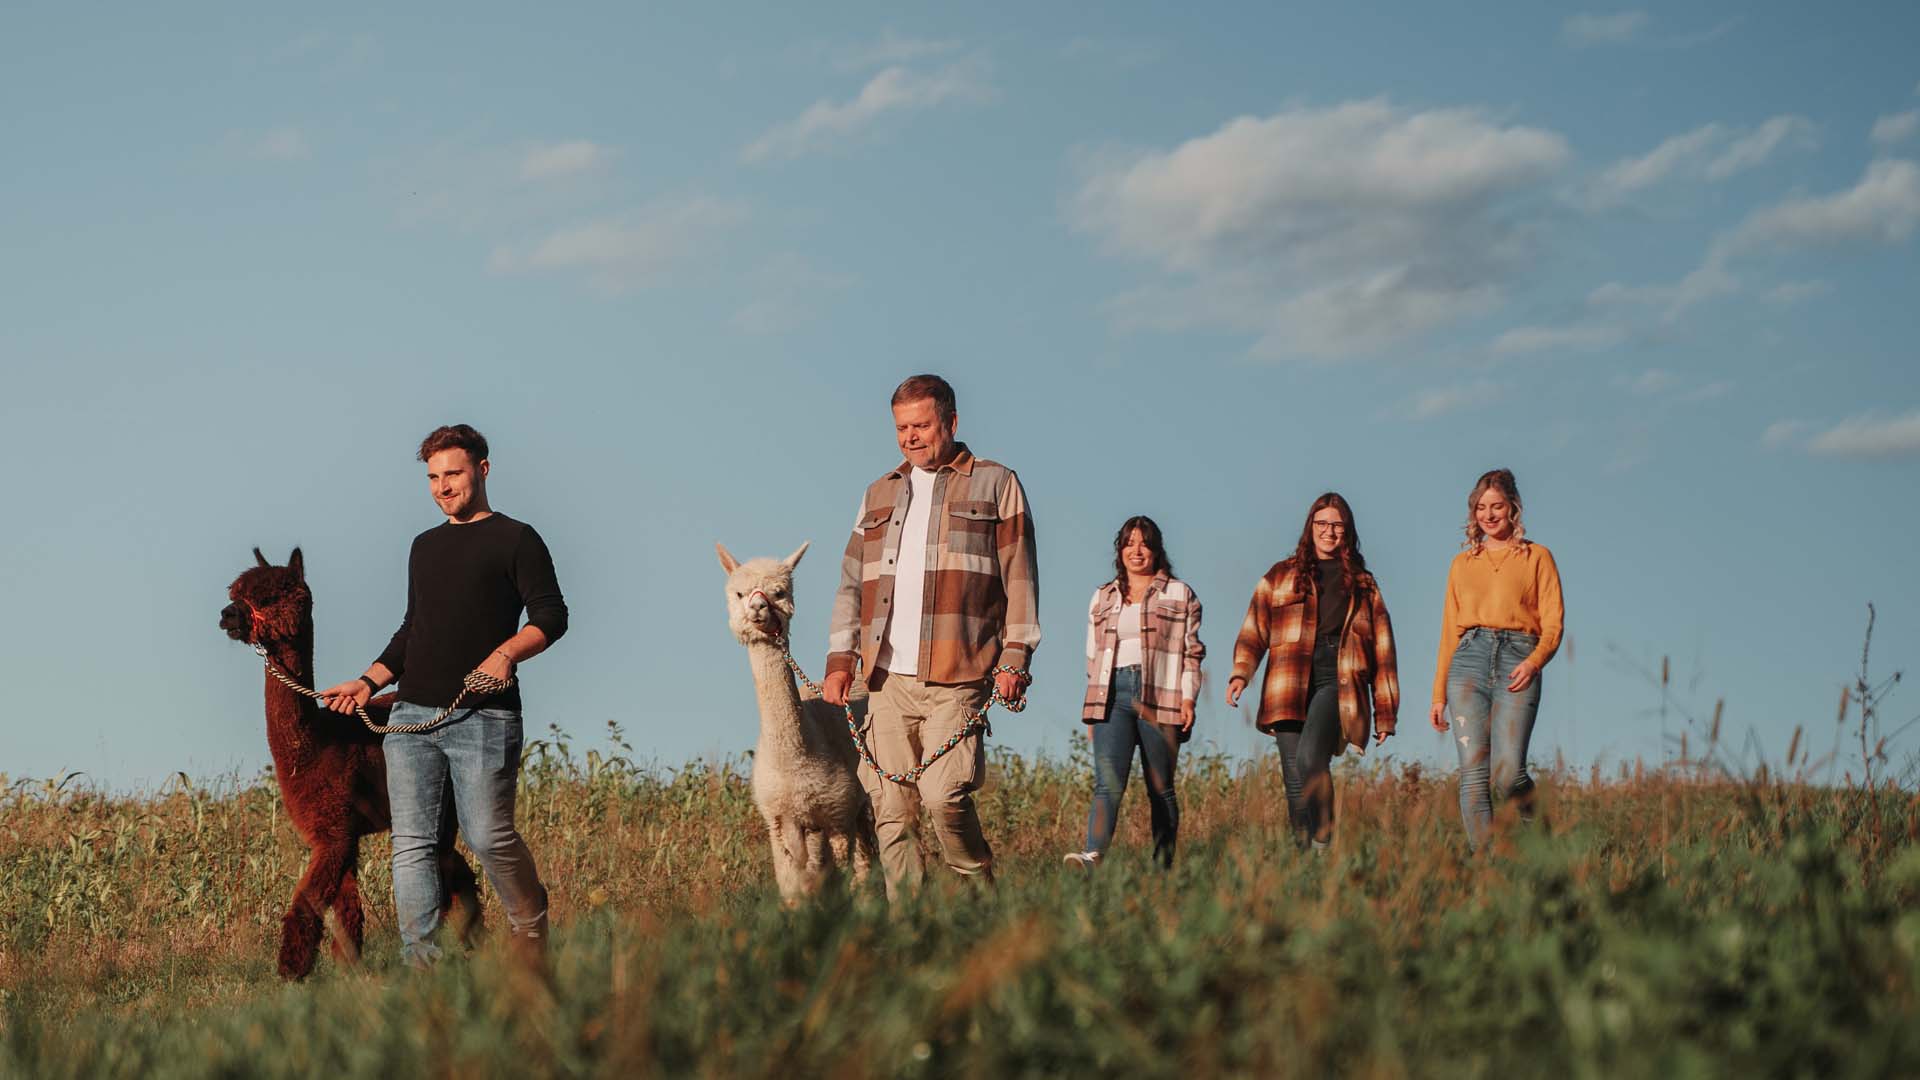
<point x="840" y="662"/>
<point x="1016" y="655"/>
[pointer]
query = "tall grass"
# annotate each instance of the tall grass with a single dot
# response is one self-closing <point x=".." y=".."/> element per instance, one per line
<point x="1651" y="924"/>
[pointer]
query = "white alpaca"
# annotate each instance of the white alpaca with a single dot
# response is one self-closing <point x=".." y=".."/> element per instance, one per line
<point x="804" y="778"/>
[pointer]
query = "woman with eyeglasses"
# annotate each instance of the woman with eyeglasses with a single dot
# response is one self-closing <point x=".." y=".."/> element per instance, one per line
<point x="1318" y="620"/>
<point x="1500" y="625"/>
<point x="1143" y="675"/>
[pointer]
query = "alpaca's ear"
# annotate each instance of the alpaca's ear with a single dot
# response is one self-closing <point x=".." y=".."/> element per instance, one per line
<point x="793" y="560"/>
<point x="297" y="563"/>
<point x="259" y="558"/>
<point x="727" y="561"/>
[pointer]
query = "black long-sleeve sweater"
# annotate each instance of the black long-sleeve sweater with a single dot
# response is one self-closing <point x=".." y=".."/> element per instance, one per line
<point x="466" y="587"/>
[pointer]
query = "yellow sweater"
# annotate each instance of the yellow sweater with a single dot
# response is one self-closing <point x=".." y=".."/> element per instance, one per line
<point x="1511" y="589"/>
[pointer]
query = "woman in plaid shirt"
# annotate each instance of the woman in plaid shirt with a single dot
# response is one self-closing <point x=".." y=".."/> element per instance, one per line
<point x="1318" y="620"/>
<point x="1143" y="674"/>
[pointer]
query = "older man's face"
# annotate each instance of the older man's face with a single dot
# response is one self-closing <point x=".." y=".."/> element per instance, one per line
<point x="925" y="440"/>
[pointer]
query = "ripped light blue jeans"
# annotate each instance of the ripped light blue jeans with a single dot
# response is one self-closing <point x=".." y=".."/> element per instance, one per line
<point x="1491" y="725"/>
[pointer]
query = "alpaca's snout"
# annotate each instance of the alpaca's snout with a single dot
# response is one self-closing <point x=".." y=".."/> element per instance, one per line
<point x="234" y="621"/>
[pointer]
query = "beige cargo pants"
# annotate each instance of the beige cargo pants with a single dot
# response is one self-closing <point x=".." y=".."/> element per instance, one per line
<point x="906" y="719"/>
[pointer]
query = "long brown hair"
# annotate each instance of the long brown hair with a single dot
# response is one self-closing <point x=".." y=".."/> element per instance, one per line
<point x="1150" y="533"/>
<point x="1502" y="481"/>
<point x="1352" y="563"/>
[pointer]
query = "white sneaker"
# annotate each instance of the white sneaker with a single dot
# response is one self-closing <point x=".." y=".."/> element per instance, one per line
<point x="1085" y="860"/>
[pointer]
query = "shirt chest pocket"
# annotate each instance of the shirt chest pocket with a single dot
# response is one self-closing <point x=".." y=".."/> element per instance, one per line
<point x="1164" y="618"/>
<point x="972" y="528"/>
<point x="1290" y="619"/>
<point x="873" y="531"/>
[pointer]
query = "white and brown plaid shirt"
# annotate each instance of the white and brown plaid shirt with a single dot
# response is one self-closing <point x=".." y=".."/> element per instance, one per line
<point x="980" y="599"/>
<point x="1170" y="649"/>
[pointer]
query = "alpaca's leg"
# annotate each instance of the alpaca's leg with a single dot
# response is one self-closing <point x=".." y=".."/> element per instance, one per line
<point x="460" y="902"/>
<point x="349" y="915"/>
<point x="866" y="846"/>
<point x="787" y="855"/>
<point x="840" y="847"/>
<point x="349" y="921"/>
<point x="301" y="926"/>
<point x="818" y="861"/>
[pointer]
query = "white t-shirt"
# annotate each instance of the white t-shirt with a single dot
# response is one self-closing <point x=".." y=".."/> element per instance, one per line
<point x="900" y="649"/>
<point x="1127" y="652"/>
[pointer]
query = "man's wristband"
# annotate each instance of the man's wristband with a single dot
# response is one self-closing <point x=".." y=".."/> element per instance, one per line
<point x="372" y="687"/>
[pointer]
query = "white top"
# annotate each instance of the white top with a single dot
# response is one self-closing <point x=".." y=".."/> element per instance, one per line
<point x="900" y="650"/>
<point x="1127" y="653"/>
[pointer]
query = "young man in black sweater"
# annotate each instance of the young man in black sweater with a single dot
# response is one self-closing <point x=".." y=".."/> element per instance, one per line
<point x="467" y="582"/>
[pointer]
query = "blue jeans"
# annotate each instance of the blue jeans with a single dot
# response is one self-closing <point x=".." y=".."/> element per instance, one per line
<point x="1113" y="743"/>
<point x="475" y="758"/>
<point x="1491" y="726"/>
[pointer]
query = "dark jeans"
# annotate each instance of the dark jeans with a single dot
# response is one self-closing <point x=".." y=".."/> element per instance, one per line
<point x="1113" y="743"/>
<point x="1306" y="752"/>
<point x="1492" y="726"/>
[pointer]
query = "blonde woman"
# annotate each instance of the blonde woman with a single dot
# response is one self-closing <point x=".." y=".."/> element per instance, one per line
<point x="1500" y="625"/>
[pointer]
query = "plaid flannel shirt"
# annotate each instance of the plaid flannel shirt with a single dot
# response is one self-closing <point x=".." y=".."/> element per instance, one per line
<point x="981" y="600"/>
<point x="1170" y="649"/>
<point x="1280" y="625"/>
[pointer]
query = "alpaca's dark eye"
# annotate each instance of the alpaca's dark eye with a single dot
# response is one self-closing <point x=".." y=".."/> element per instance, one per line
<point x="739" y="596"/>
<point x="779" y="594"/>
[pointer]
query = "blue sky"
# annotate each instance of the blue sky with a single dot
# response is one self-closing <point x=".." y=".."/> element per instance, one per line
<point x="1202" y="266"/>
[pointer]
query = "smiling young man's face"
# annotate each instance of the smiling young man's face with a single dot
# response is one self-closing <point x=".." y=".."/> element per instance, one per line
<point x="458" y="485"/>
<point x="925" y="439"/>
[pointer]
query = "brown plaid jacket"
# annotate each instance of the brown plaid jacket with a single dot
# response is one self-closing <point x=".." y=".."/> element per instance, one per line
<point x="981" y="604"/>
<point x="1170" y="649"/>
<point x="1280" y="626"/>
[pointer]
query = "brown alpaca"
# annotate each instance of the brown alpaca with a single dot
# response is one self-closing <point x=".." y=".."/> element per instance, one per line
<point x="331" y="770"/>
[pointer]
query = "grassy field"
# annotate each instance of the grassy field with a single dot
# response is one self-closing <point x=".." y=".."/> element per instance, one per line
<point x="1650" y="925"/>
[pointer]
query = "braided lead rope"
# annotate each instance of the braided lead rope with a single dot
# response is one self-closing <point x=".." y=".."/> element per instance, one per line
<point x="975" y="720"/>
<point x="478" y="682"/>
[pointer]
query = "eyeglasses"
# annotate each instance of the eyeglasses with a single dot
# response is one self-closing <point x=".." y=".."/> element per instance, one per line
<point x="1330" y="526"/>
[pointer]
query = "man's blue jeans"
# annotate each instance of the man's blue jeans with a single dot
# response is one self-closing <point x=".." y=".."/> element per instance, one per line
<point x="1113" y="743"/>
<point x="1491" y="725"/>
<point x="474" y="759"/>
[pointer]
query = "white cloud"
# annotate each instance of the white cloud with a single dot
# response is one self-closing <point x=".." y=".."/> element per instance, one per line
<point x="1870" y="436"/>
<point x="1896" y="128"/>
<point x="1650" y="382"/>
<point x="1884" y="207"/>
<point x="897" y="89"/>
<point x="1633" y="174"/>
<point x="552" y="161"/>
<point x="1757" y="146"/>
<point x="1324" y="231"/>
<point x="282" y="144"/>
<point x="629" y="252"/>
<point x="1793" y="292"/>
<point x="1440" y="401"/>
<point x="1781" y="432"/>
<point x="1529" y="339"/>
<point x="892" y="49"/>
<point x="1713" y="151"/>
<point x="1587" y="29"/>
<point x="1709" y="281"/>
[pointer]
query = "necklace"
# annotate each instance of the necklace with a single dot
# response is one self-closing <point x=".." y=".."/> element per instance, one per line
<point x="1496" y="564"/>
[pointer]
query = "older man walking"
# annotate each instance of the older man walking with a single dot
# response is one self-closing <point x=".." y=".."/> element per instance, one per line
<point x="938" y="605"/>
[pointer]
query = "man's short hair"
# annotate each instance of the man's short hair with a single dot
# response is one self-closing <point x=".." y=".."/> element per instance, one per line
<point x="921" y="387"/>
<point x="455" y="437"/>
